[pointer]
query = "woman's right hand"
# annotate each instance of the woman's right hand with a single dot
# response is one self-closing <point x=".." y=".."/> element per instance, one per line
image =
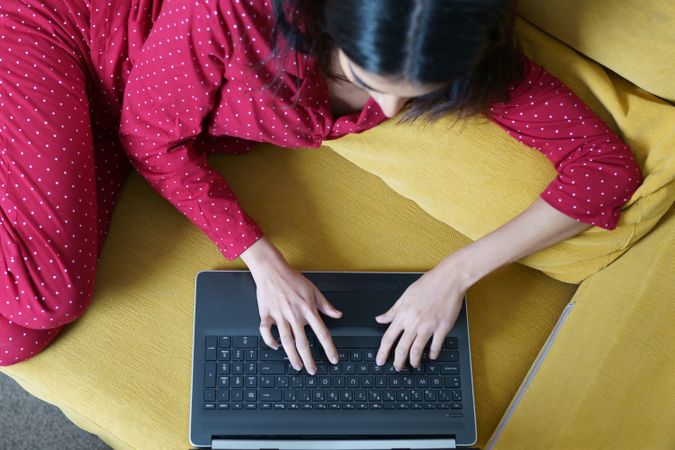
<point x="289" y="300"/>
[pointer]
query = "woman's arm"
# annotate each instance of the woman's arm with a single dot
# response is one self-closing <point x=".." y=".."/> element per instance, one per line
<point x="430" y="306"/>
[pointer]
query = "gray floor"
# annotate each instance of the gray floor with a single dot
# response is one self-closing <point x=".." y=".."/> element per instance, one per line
<point x="29" y="423"/>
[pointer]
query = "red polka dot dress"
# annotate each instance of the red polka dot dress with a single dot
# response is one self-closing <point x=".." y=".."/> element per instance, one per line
<point x="86" y="87"/>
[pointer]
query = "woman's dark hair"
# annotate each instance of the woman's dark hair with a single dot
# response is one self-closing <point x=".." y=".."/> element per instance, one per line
<point x="469" y="46"/>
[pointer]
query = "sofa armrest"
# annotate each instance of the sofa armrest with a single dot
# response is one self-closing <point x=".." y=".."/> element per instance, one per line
<point x="605" y="378"/>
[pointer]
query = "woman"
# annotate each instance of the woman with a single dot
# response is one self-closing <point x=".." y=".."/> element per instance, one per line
<point x="183" y="79"/>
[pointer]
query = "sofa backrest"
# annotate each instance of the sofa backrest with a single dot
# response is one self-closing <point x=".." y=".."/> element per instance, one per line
<point x="634" y="39"/>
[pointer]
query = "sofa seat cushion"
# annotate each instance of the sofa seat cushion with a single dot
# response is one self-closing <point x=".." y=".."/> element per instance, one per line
<point x="471" y="175"/>
<point x="123" y="370"/>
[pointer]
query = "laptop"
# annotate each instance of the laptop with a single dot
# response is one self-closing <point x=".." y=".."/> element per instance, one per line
<point x="246" y="395"/>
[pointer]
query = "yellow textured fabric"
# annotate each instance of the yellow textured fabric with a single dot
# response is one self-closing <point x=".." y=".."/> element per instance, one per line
<point x="634" y="39"/>
<point x="475" y="177"/>
<point x="123" y="370"/>
<point x="608" y="380"/>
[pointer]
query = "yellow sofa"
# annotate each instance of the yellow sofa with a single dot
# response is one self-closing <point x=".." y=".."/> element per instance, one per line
<point x="585" y="363"/>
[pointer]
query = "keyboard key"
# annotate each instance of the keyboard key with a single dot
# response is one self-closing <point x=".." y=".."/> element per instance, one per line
<point x="449" y="369"/>
<point x="456" y="395"/>
<point x="224" y="342"/>
<point x="223" y="406"/>
<point x="296" y="381"/>
<point x="402" y="406"/>
<point x="444" y="395"/>
<point x="320" y="406"/>
<point x="282" y="381"/>
<point x="355" y="355"/>
<point x="237" y="395"/>
<point x="211" y="350"/>
<point x="272" y="355"/>
<point x="389" y="406"/>
<point x="388" y="395"/>
<point x="209" y="395"/>
<point x="450" y="342"/>
<point x="237" y="354"/>
<point x="347" y="395"/>
<point x="367" y="381"/>
<point x="429" y="406"/>
<point x="318" y="395"/>
<point x="452" y="382"/>
<point x="224" y="355"/>
<point x="237" y="381"/>
<point x="251" y="382"/>
<point x="381" y="381"/>
<point x="251" y="406"/>
<point x="251" y="355"/>
<point x="250" y="395"/>
<point x="403" y="395"/>
<point x="338" y="382"/>
<point x="455" y="405"/>
<point x="292" y="406"/>
<point x="333" y="406"/>
<point x="250" y="368"/>
<point x="245" y="341"/>
<point x="280" y="406"/>
<point x="324" y="382"/>
<point x="416" y="406"/>
<point x="448" y="355"/>
<point x="265" y="406"/>
<point x="362" y="369"/>
<point x="210" y="375"/>
<point x="237" y="368"/>
<point x="436" y="382"/>
<point x="223" y="368"/>
<point x="290" y="395"/>
<point x="369" y="355"/>
<point x="430" y="395"/>
<point x="306" y="406"/>
<point x="357" y="342"/>
<point x="223" y="395"/>
<point x="270" y="395"/>
<point x="361" y="405"/>
<point x="375" y="405"/>
<point x="304" y="395"/>
<point x="224" y="381"/>
<point x="237" y="405"/>
<point x="271" y="368"/>
<point x="332" y="395"/>
<point x="267" y="381"/>
<point x="311" y="382"/>
<point x="374" y="395"/>
<point x="209" y="406"/>
<point x="443" y="406"/>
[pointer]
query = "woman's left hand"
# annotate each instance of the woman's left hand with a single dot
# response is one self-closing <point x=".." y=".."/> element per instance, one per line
<point x="429" y="307"/>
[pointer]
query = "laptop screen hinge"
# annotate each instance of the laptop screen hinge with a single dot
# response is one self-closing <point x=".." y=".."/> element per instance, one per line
<point x="333" y="444"/>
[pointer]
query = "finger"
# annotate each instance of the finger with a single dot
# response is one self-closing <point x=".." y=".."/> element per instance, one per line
<point x="287" y="341"/>
<point x="387" y="342"/>
<point x="387" y="316"/>
<point x="325" y="306"/>
<point x="266" y="333"/>
<point x="418" y="348"/>
<point x="322" y="333"/>
<point x="402" y="349"/>
<point x="437" y="343"/>
<point x="302" y="344"/>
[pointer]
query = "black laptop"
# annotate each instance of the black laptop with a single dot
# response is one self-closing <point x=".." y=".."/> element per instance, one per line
<point x="246" y="395"/>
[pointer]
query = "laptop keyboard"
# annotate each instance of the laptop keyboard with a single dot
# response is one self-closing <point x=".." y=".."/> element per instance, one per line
<point x="243" y="373"/>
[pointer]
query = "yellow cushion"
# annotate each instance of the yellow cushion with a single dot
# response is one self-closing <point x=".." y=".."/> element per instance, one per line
<point x="470" y="176"/>
<point x="634" y="39"/>
<point x="123" y="370"/>
<point x="608" y="381"/>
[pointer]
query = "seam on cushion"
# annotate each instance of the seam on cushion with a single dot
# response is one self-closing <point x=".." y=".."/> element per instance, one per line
<point x="22" y="382"/>
<point x="534" y="369"/>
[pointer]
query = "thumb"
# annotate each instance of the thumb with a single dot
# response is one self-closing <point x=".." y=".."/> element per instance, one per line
<point x="325" y="306"/>
<point x="386" y="317"/>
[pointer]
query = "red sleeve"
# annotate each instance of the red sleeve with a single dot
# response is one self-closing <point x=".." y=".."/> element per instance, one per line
<point x="171" y="89"/>
<point x="597" y="173"/>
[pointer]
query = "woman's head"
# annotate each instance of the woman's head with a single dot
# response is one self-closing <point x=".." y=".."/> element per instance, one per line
<point x="438" y="55"/>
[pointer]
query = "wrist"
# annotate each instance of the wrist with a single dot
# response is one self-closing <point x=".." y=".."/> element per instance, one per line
<point x="260" y="255"/>
<point x="466" y="266"/>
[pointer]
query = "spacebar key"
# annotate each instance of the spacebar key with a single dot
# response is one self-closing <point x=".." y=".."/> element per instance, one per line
<point x="357" y="341"/>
